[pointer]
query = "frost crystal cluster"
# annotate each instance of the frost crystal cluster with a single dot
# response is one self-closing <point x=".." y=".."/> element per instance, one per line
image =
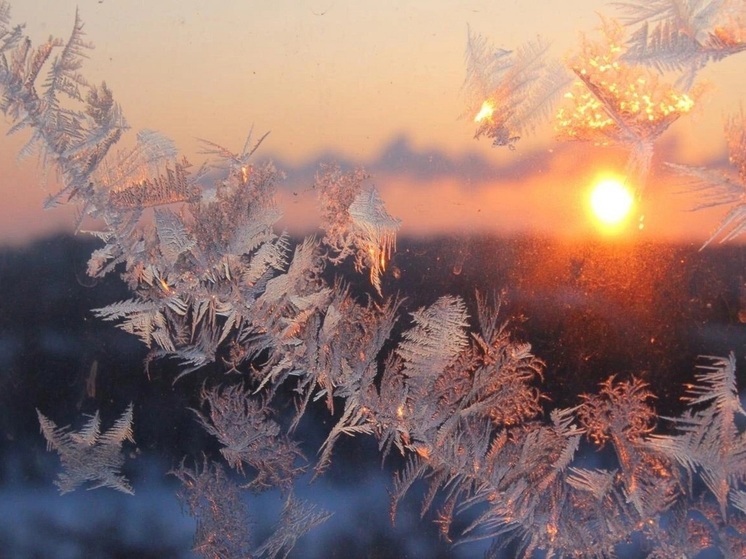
<point x="211" y="280"/>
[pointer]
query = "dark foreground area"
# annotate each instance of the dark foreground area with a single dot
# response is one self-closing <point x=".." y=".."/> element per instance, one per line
<point x="589" y="310"/>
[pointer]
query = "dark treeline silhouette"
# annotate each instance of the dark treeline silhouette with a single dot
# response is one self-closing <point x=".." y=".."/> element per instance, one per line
<point x="589" y="310"/>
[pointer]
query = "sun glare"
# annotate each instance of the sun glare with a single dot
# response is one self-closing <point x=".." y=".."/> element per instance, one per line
<point x="611" y="202"/>
<point x="485" y="112"/>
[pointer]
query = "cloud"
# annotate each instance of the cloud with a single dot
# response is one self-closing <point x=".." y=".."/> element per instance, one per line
<point x="531" y="190"/>
<point x="437" y="193"/>
<point x="400" y="158"/>
<point x="537" y="191"/>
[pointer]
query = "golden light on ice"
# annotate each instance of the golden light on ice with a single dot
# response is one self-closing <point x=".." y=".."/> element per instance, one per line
<point x="611" y="202"/>
<point x="485" y="112"/>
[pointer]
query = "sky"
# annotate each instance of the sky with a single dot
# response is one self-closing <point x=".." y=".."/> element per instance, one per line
<point x="374" y="84"/>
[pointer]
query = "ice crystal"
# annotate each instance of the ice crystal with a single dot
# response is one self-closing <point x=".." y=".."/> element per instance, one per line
<point x="224" y="518"/>
<point x="88" y="455"/>
<point x="355" y="221"/>
<point x="716" y="188"/>
<point x="617" y="103"/>
<point x="684" y="36"/>
<point x="249" y="436"/>
<point x="510" y="93"/>
<point x="710" y="444"/>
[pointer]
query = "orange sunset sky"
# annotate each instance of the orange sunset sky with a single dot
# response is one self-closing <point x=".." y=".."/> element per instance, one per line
<point x="376" y="84"/>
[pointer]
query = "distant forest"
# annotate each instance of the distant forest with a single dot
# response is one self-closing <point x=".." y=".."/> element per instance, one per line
<point x="589" y="310"/>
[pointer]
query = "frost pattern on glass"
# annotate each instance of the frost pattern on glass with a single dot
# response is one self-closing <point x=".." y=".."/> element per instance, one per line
<point x="224" y="519"/>
<point x="250" y="437"/>
<point x="672" y="35"/>
<point x="510" y="93"/>
<point x="88" y="455"/>
<point x="619" y="90"/>
<point x="214" y="501"/>
<point x="725" y="187"/>
<point x="455" y="395"/>
<point x="355" y="221"/>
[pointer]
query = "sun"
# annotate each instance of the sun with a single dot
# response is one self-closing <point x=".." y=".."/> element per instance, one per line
<point x="611" y="202"/>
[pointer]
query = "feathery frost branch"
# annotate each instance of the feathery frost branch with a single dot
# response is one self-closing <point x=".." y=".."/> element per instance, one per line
<point x="510" y="93"/>
<point x="88" y="455"/>
<point x="716" y="188"/>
